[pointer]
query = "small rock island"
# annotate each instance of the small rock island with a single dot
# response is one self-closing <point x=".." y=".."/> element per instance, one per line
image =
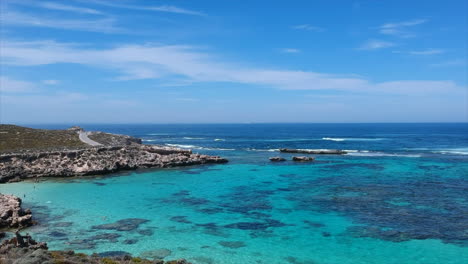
<point x="27" y="153"/>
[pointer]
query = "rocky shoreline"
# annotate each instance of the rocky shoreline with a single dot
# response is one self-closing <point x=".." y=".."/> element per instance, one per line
<point x="96" y="161"/>
<point x="116" y="153"/>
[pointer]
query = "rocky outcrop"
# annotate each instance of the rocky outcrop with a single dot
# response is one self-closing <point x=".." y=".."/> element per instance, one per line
<point x="314" y="151"/>
<point x="303" y="158"/>
<point x="96" y="160"/>
<point x="277" y="159"/>
<point x="24" y="250"/>
<point x="11" y="213"/>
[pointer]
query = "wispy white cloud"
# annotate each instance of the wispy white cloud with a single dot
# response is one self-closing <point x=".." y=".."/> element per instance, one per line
<point x="106" y="25"/>
<point x="159" y="8"/>
<point x="376" y="44"/>
<point x="51" y="82"/>
<point x="450" y="63"/>
<point x="15" y="86"/>
<point x="290" y="50"/>
<point x="309" y="27"/>
<point x="69" y="8"/>
<point x="427" y="52"/>
<point x="399" y="28"/>
<point x="165" y="62"/>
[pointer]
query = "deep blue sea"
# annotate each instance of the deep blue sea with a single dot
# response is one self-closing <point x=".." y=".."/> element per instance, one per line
<point x="399" y="196"/>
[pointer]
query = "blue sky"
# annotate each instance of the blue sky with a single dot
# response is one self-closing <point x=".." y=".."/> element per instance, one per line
<point x="97" y="61"/>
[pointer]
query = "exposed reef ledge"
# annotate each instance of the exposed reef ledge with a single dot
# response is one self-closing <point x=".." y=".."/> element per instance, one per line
<point x="95" y="161"/>
<point x="314" y="151"/>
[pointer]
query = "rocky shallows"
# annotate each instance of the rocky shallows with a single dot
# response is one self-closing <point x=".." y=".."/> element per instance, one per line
<point x="114" y="153"/>
<point x="22" y="249"/>
<point x="314" y="151"/>
<point x="11" y="213"/>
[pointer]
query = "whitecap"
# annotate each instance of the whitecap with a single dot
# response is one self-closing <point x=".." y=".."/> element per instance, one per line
<point x="219" y="139"/>
<point x="452" y="151"/>
<point x="352" y="139"/>
<point x="365" y="153"/>
<point x="193" y="138"/>
<point x="181" y="146"/>
<point x="261" y="150"/>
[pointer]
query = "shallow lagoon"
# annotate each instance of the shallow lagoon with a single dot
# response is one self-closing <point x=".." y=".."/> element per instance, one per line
<point x="399" y="208"/>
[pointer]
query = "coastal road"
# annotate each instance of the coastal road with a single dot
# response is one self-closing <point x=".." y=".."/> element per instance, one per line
<point x="84" y="138"/>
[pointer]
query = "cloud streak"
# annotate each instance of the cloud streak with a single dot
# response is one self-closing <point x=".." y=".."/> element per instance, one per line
<point x="376" y="44"/>
<point x="399" y="28"/>
<point x="160" y="8"/>
<point x="308" y="27"/>
<point x="68" y="8"/>
<point x="427" y="52"/>
<point x="187" y="63"/>
<point x="9" y="85"/>
<point x="106" y="25"/>
<point x="290" y="50"/>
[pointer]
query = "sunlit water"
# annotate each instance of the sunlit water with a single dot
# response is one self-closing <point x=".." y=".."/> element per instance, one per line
<point x="400" y="196"/>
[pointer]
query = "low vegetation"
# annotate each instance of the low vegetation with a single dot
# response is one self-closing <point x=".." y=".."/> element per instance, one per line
<point x="16" y="138"/>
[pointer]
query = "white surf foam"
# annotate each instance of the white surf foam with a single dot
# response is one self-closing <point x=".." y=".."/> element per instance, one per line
<point x="262" y="150"/>
<point x="366" y="153"/>
<point x="452" y="151"/>
<point x="352" y="139"/>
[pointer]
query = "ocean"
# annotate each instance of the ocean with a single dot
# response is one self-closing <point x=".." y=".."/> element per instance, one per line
<point x="400" y="195"/>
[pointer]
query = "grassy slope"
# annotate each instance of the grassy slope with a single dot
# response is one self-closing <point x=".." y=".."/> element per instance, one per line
<point x="15" y="138"/>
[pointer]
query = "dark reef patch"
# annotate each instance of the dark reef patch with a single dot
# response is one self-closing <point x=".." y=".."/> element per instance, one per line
<point x="128" y="224"/>
<point x="113" y="254"/>
<point x="396" y="209"/>
<point x="256" y="225"/>
<point x="156" y="253"/>
<point x="180" y="219"/>
<point x="313" y="224"/>
<point x="62" y="224"/>
<point x="232" y="244"/>
<point x="130" y="241"/>
<point x="111" y="237"/>
<point x="146" y="232"/>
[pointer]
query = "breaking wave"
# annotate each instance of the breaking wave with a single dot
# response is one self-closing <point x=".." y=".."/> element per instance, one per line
<point x="352" y="139"/>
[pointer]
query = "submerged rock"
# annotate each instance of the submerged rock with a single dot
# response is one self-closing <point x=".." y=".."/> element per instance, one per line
<point x="24" y="250"/>
<point x="122" y="225"/>
<point x="232" y="244"/>
<point x="156" y="254"/>
<point x="117" y="253"/>
<point x="277" y="159"/>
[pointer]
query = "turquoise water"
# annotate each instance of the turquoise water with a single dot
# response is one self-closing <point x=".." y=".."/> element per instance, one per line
<point x="390" y="201"/>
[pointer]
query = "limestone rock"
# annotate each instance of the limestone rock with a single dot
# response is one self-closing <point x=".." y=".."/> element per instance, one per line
<point x="96" y="160"/>
<point x="303" y="158"/>
<point x="277" y="159"/>
<point x="11" y="213"/>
